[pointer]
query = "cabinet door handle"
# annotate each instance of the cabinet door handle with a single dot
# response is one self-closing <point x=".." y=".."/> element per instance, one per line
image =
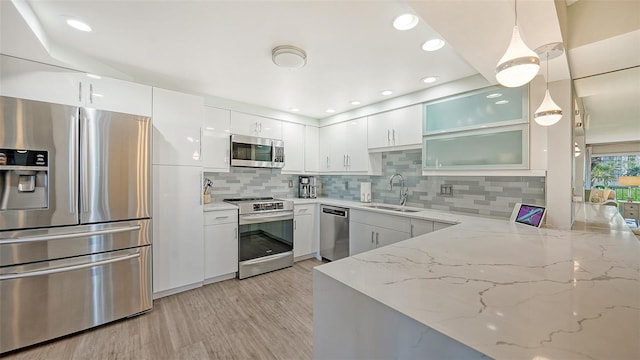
<point x="91" y="93"/>
<point x="221" y="217"/>
<point x="344" y="160"/>
<point x="80" y="91"/>
<point x="235" y="233"/>
<point x="295" y="225"/>
<point x="411" y="233"/>
<point x="260" y="127"/>
<point x="348" y="160"/>
<point x="372" y="237"/>
<point x="394" y="136"/>
<point x="327" y="162"/>
<point x="377" y="242"/>
<point x="388" y="136"/>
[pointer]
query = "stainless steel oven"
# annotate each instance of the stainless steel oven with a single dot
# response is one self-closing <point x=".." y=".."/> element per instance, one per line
<point x="265" y="235"/>
<point x="253" y="151"/>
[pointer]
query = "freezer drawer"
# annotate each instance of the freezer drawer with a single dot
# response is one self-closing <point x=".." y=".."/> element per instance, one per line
<point x="46" y="300"/>
<point x="27" y="246"/>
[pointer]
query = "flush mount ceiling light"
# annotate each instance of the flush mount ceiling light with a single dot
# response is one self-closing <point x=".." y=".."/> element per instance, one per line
<point x="433" y="45"/>
<point x="330" y="111"/>
<point x="355" y="102"/>
<point x="386" y="92"/>
<point x="548" y="113"/>
<point x="519" y="64"/>
<point x="405" y="22"/>
<point x="294" y="109"/>
<point x="430" y="79"/>
<point x="78" y="25"/>
<point x="288" y="56"/>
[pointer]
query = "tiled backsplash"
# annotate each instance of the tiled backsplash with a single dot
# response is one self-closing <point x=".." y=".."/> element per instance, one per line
<point x="485" y="195"/>
<point x="251" y="182"/>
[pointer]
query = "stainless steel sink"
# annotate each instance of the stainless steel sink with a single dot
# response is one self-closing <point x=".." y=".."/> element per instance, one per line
<point x="383" y="207"/>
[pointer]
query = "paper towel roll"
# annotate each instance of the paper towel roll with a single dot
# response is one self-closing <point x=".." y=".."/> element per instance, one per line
<point x="365" y="192"/>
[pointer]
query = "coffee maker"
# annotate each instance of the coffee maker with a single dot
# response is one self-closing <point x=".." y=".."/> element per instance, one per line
<point x="307" y="187"/>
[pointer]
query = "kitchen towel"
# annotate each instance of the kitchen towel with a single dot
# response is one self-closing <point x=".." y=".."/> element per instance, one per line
<point x="365" y="192"/>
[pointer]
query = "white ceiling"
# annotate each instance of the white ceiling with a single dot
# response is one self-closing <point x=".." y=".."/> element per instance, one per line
<point x="223" y="48"/>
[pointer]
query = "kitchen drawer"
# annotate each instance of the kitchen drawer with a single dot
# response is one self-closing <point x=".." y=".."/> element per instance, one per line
<point x="305" y="209"/>
<point x="392" y="222"/>
<point x="220" y="217"/>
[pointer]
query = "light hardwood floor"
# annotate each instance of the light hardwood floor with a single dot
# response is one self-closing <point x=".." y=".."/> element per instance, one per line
<point x="264" y="317"/>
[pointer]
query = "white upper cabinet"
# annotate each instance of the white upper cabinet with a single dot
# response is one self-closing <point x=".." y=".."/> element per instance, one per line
<point x="293" y="136"/>
<point x="401" y="129"/>
<point x="35" y="81"/>
<point x="343" y="147"/>
<point x="254" y="125"/>
<point x="216" y="141"/>
<point x="117" y="95"/>
<point x="177" y="128"/>
<point x="311" y="149"/>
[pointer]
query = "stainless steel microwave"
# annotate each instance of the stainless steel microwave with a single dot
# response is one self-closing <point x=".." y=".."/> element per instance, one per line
<point x="250" y="151"/>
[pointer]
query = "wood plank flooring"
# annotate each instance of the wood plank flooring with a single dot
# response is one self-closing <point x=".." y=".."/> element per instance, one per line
<point x="264" y="317"/>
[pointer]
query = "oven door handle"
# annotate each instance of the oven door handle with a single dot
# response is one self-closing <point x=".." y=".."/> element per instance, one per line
<point x="266" y="258"/>
<point x="262" y="218"/>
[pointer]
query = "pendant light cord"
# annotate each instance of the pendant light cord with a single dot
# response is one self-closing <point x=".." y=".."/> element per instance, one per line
<point x="547" y="71"/>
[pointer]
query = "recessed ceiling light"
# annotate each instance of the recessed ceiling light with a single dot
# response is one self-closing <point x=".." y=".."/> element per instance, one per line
<point x="433" y="45"/>
<point x="405" y="22"/>
<point x="294" y="109"/>
<point x="355" y="102"/>
<point x="502" y="102"/>
<point x="386" y="92"/>
<point x="430" y="79"/>
<point x="94" y="76"/>
<point x="78" y="25"/>
<point x="330" y="111"/>
<point x="494" y="95"/>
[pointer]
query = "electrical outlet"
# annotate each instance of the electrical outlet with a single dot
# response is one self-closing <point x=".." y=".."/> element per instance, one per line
<point x="446" y="190"/>
<point x="290" y="183"/>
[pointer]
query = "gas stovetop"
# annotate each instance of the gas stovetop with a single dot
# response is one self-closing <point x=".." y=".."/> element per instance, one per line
<point x="260" y="204"/>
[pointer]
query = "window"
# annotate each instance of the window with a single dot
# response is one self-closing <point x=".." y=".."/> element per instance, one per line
<point x="605" y="170"/>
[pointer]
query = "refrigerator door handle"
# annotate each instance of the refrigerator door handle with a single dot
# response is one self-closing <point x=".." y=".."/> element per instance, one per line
<point x="84" y="152"/>
<point x="68" y="268"/>
<point x="28" y="239"/>
<point x="73" y="168"/>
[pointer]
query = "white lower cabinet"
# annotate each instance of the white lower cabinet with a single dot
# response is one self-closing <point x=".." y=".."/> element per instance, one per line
<point x="220" y="243"/>
<point x="369" y="230"/>
<point x="421" y="227"/>
<point x="440" y="225"/>
<point x="304" y="231"/>
<point x="177" y="228"/>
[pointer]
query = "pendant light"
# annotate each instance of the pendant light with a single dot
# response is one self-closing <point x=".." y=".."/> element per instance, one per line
<point x="519" y="64"/>
<point x="548" y="113"/>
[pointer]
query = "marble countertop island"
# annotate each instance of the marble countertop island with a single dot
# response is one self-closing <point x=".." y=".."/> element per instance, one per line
<point x="510" y="291"/>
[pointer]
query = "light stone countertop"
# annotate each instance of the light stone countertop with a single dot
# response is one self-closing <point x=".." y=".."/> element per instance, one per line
<point x="511" y="291"/>
<point x="217" y="206"/>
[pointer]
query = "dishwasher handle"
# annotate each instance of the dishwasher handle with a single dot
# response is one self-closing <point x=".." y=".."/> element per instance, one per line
<point x="335" y="211"/>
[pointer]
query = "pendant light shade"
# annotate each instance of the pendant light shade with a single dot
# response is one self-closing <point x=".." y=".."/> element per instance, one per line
<point x="548" y="113"/>
<point x="519" y="64"/>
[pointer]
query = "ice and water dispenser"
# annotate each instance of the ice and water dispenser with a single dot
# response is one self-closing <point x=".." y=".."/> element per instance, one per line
<point x="24" y="179"/>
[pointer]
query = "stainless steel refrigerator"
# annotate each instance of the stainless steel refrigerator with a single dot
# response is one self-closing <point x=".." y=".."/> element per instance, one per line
<point x="75" y="222"/>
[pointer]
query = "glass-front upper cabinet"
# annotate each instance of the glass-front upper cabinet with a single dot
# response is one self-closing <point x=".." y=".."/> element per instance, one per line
<point x="494" y="106"/>
<point x="485" y="129"/>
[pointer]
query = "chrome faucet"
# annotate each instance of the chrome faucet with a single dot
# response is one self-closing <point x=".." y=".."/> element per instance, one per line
<point x="403" y="189"/>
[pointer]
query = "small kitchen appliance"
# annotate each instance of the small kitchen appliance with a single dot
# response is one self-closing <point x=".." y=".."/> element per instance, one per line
<point x="307" y="187"/>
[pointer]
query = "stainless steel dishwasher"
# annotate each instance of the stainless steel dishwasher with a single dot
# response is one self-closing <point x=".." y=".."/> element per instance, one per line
<point x="334" y="232"/>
